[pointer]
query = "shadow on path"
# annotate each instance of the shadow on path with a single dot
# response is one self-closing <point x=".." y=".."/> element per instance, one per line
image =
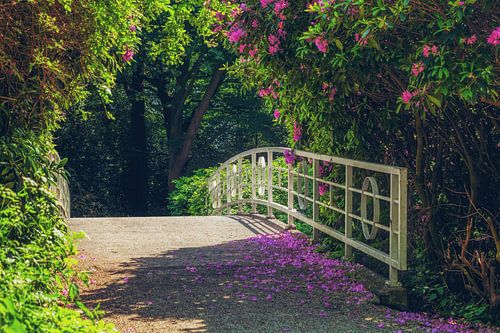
<point x="227" y="287"/>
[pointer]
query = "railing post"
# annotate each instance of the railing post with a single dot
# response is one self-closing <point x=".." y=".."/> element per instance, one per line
<point x="290" y="196"/>
<point x="403" y="219"/>
<point x="254" y="183"/>
<point x="397" y="239"/>
<point x="269" y="183"/>
<point x="228" y="187"/>
<point x="316" y="197"/>
<point x="239" y="184"/>
<point x="348" y="209"/>
<point x="219" y="192"/>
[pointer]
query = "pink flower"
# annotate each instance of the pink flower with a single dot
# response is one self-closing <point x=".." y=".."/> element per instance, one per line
<point x="494" y="37"/>
<point x="323" y="188"/>
<point x="242" y="47"/>
<point x="128" y="55"/>
<point x="471" y="40"/>
<point x="321" y="44"/>
<point x="191" y="269"/>
<point x="265" y="3"/>
<point x="297" y="132"/>
<point x="289" y="156"/>
<point x="264" y="92"/>
<point x="331" y="95"/>
<point x="132" y="28"/>
<point x="426" y="51"/>
<point x="253" y="52"/>
<point x="235" y="35"/>
<point x="430" y="49"/>
<point x="255" y="23"/>
<point x="417" y="68"/>
<point x="274" y="44"/>
<point x="219" y="16"/>
<point x="361" y="41"/>
<point x="277" y="114"/>
<point x="279" y="6"/>
<point x="406" y="96"/>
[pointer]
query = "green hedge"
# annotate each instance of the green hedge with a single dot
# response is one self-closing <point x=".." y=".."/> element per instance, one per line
<point x="38" y="282"/>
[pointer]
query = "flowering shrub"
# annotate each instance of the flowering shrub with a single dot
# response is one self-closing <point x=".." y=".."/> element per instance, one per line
<point x="406" y="82"/>
<point x="49" y="51"/>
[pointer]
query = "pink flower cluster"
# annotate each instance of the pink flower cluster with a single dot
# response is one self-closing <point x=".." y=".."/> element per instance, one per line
<point x="417" y="68"/>
<point x="289" y="156"/>
<point x="277" y="114"/>
<point x="235" y="34"/>
<point x="361" y="40"/>
<point x="427" y="50"/>
<point x="406" y="96"/>
<point x="297" y="131"/>
<point x="269" y="91"/>
<point x="471" y="40"/>
<point x="265" y="3"/>
<point x="321" y="43"/>
<point x="274" y="44"/>
<point x="279" y="6"/>
<point x="329" y="90"/>
<point x="128" y="55"/>
<point x="494" y="37"/>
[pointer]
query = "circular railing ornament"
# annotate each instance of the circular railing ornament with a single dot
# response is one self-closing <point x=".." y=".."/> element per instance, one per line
<point x="302" y="185"/>
<point x="370" y="234"/>
<point x="261" y="175"/>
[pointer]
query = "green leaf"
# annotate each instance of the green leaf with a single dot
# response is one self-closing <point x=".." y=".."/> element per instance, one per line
<point x="434" y="100"/>
<point x="15" y="327"/>
<point x="339" y="44"/>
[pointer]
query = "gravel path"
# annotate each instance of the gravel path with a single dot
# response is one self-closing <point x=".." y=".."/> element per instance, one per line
<point x="207" y="274"/>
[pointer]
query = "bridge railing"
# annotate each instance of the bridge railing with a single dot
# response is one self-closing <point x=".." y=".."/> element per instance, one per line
<point x="61" y="190"/>
<point x="363" y="205"/>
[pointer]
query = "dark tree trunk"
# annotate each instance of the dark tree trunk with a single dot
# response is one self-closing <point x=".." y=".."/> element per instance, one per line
<point x="137" y="171"/>
<point x="179" y="157"/>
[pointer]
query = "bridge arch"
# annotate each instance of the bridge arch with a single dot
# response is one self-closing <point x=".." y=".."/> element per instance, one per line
<point x="366" y="200"/>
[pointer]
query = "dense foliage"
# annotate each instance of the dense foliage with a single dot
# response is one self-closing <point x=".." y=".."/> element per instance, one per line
<point x="36" y="272"/>
<point x="97" y="148"/>
<point x="49" y="51"/>
<point x="173" y="112"/>
<point x="411" y="83"/>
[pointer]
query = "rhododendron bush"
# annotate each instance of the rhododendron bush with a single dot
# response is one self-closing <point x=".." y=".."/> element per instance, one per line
<point x="410" y="83"/>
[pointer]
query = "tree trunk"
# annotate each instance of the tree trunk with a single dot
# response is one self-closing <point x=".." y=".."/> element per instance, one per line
<point x="179" y="158"/>
<point x="137" y="173"/>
